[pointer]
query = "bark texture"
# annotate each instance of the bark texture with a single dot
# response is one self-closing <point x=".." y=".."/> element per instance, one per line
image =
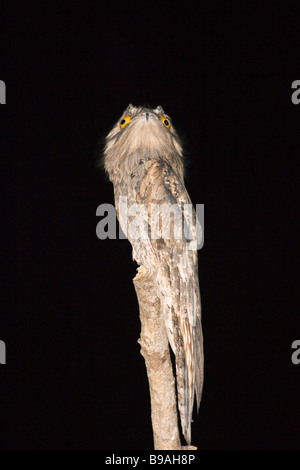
<point x="155" y="350"/>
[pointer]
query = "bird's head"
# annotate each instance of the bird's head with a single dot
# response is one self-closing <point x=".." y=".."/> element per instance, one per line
<point x="141" y="132"/>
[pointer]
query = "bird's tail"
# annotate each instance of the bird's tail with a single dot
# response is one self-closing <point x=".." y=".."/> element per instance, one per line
<point x="181" y="309"/>
<point x="189" y="372"/>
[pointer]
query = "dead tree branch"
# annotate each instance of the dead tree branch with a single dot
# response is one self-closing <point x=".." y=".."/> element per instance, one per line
<point x="155" y="350"/>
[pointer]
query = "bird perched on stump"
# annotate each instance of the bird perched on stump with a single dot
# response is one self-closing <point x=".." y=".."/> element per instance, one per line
<point x="143" y="157"/>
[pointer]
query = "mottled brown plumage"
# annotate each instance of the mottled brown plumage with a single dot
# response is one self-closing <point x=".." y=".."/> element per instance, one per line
<point x="144" y="160"/>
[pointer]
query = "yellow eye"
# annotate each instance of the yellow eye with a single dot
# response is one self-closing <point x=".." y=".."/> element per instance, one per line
<point x="124" y="121"/>
<point x="165" y="121"/>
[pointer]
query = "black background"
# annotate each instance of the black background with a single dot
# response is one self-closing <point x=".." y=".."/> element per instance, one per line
<point x="74" y="377"/>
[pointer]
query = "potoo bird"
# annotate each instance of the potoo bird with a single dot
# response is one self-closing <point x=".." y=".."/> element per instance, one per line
<point x="143" y="157"/>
